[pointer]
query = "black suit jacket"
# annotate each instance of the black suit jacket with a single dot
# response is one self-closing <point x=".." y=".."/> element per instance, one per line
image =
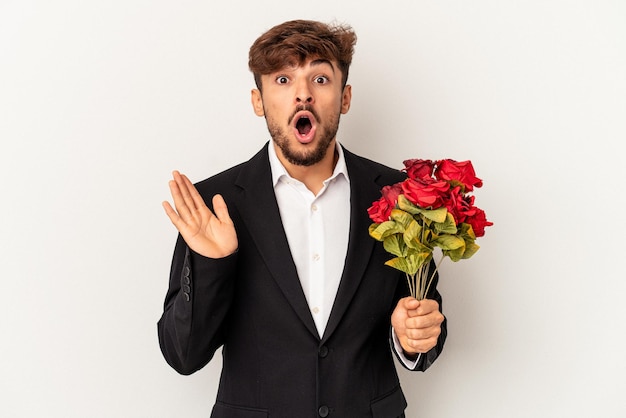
<point x="274" y="362"/>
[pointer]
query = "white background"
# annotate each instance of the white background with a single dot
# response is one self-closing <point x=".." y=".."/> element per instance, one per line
<point x="99" y="101"/>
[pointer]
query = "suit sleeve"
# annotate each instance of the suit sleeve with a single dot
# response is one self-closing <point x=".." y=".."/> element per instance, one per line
<point x="196" y="306"/>
<point x="425" y="360"/>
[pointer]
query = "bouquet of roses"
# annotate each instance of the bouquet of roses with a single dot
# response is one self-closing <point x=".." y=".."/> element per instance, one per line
<point x="432" y="208"/>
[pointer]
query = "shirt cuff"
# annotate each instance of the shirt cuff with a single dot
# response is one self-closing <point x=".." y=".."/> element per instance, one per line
<point x="408" y="363"/>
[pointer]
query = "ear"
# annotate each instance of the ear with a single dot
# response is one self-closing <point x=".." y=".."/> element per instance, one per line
<point x="257" y="102"/>
<point x="346" y="98"/>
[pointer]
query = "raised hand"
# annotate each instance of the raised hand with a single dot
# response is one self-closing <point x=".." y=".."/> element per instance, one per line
<point x="210" y="234"/>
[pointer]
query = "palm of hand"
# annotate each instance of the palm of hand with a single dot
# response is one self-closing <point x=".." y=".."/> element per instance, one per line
<point x="210" y="234"/>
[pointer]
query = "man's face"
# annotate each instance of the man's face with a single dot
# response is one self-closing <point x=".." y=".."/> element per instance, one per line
<point x="302" y="106"/>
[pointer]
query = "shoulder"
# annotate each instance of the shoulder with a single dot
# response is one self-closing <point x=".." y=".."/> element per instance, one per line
<point x="381" y="173"/>
<point x="227" y="181"/>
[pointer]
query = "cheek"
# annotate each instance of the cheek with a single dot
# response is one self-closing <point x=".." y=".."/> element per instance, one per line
<point x="275" y="108"/>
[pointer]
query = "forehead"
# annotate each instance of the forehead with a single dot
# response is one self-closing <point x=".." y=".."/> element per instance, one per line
<point x="313" y="64"/>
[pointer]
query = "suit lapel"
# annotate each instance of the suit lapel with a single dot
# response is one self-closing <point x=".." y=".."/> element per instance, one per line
<point x="259" y="211"/>
<point x="363" y="191"/>
<point x="262" y="218"/>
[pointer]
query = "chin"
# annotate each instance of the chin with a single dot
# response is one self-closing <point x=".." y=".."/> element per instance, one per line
<point x="313" y="153"/>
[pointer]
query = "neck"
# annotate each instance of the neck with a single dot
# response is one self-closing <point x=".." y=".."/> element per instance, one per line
<point x="312" y="176"/>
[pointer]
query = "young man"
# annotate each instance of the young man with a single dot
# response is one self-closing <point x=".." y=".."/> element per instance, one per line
<point x="281" y="271"/>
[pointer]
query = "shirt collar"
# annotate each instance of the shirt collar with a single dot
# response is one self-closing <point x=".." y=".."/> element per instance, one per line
<point x="279" y="171"/>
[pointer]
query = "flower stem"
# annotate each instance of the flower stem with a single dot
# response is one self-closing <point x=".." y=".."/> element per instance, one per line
<point x="410" y="278"/>
<point x="432" y="276"/>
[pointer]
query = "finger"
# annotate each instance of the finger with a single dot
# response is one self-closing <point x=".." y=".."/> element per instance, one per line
<point x="179" y="202"/>
<point x="183" y="184"/>
<point x="427" y="306"/>
<point x="171" y="213"/>
<point x="430" y="321"/>
<point x="410" y="302"/>
<point x="423" y="322"/>
<point x="423" y="333"/>
<point x="422" y="345"/>
<point x="411" y="305"/>
<point x="220" y="209"/>
<point x="198" y="201"/>
<point x="415" y="335"/>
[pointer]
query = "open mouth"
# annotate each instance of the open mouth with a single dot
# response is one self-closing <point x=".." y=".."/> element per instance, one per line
<point x="304" y="127"/>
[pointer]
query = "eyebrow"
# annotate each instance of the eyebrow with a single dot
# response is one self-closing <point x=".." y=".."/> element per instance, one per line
<point x="313" y="63"/>
<point x="321" y="62"/>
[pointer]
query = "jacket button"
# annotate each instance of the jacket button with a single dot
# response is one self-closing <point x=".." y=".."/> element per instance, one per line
<point x="323" y="411"/>
<point x="323" y="351"/>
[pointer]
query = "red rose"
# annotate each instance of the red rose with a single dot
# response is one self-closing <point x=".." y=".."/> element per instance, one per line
<point x="381" y="209"/>
<point x="391" y="193"/>
<point x="478" y="222"/>
<point x="425" y="194"/>
<point x="458" y="172"/>
<point x="458" y="205"/>
<point x="419" y="169"/>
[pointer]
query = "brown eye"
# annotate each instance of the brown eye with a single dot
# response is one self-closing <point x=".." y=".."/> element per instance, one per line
<point x="321" y="80"/>
<point x="282" y="79"/>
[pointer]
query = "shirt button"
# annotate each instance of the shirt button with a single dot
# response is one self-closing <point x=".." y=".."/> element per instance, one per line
<point x="323" y="411"/>
<point x="316" y="257"/>
<point x="314" y="208"/>
<point x="316" y="310"/>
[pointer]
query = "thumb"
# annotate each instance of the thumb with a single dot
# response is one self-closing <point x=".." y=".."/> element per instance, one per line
<point x="220" y="209"/>
<point x="411" y="305"/>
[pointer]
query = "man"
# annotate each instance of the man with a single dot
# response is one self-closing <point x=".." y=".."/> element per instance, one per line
<point x="281" y="271"/>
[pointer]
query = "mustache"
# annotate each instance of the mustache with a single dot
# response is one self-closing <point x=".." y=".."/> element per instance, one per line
<point x="301" y="108"/>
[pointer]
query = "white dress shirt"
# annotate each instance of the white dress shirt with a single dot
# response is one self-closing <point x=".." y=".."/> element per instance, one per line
<point x="317" y="229"/>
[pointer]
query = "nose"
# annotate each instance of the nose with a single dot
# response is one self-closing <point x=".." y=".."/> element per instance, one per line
<point x="303" y="93"/>
<point x="304" y="98"/>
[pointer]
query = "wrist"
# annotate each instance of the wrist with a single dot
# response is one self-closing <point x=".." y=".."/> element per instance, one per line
<point x="410" y="355"/>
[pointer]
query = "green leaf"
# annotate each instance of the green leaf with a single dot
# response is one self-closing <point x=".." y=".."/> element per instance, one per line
<point x="394" y="244"/>
<point x="455" y="254"/>
<point x="407" y="206"/>
<point x="417" y="259"/>
<point x="449" y="242"/>
<point x="412" y="233"/>
<point x="383" y="230"/>
<point x="446" y="227"/>
<point x="401" y="217"/>
<point x="436" y="215"/>
<point x="467" y="232"/>
<point x="400" y="263"/>
<point x="470" y="249"/>
<point x="416" y="246"/>
<point x="411" y="263"/>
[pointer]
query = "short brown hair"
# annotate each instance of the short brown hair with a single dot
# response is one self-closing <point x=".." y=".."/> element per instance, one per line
<point x="292" y="43"/>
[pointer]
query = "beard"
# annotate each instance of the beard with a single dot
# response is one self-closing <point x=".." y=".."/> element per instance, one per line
<point x="326" y="132"/>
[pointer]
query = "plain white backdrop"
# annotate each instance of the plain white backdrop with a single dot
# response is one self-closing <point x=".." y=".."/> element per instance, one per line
<point x="100" y="101"/>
